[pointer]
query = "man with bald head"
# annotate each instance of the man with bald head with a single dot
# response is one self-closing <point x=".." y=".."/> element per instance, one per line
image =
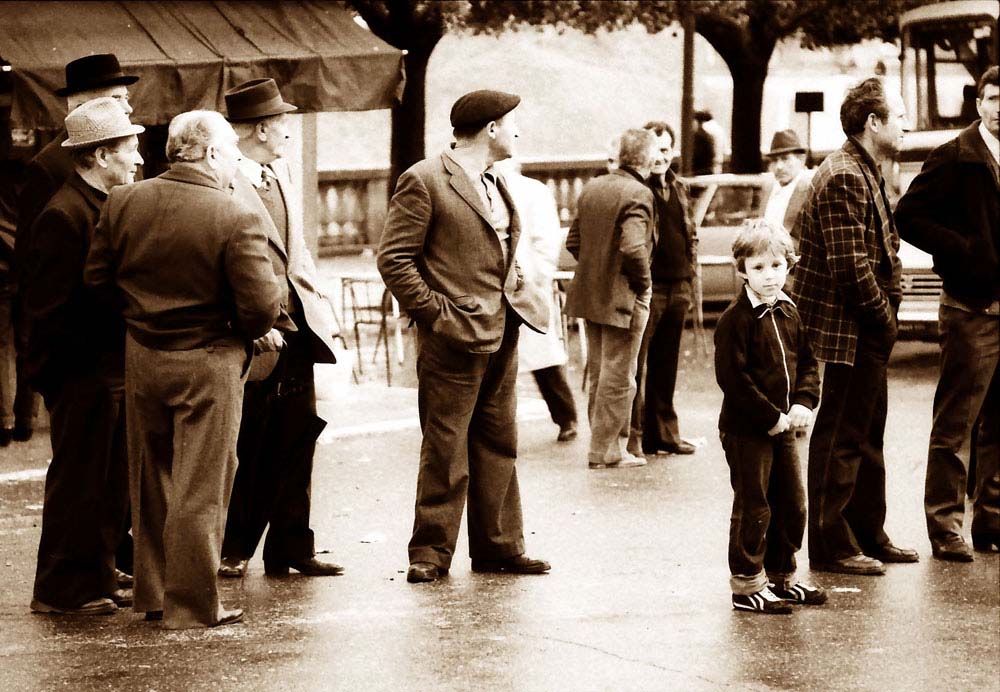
<point x="87" y="78"/>
<point x="190" y="265"/>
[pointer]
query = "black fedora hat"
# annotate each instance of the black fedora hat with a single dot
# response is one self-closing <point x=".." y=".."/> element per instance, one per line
<point x="258" y="98"/>
<point x="784" y="142"/>
<point x="94" y="72"/>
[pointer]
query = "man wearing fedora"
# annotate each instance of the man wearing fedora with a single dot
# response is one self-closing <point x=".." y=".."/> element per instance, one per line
<point x="189" y="265"/>
<point x="279" y="428"/>
<point x="87" y="78"/>
<point x="447" y="254"/>
<point x="787" y="159"/>
<point x="75" y="358"/>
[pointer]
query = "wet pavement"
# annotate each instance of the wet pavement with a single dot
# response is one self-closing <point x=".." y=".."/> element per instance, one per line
<point x="637" y="598"/>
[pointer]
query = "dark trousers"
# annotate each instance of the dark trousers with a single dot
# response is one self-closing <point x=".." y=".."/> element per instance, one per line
<point x="467" y="404"/>
<point x="556" y="392"/>
<point x="26" y="401"/>
<point x="846" y="476"/>
<point x="654" y="420"/>
<point x="273" y="483"/>
<point x="85" y="514"/>
<point x="769" y="511"/>
<point x="966" y="417"/>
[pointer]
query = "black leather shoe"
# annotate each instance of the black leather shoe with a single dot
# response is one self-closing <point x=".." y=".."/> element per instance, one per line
<point x="856" y="564"/>
<point x="153" y="615"/>
<point x="6" y="435"/>
<point x="567" y="432"/>
<point x="952" y="549"/>
<point x="424" y="571"/>
<point x="233" y="567"/>
<point x="891" y="553"/>
<point x="519" y="564"/>
<point x="986" y="542"/>
<point x="681" y="447"/>
<point x="229" y="617"/>
<point x="308" y="568"/>
<point x="22" y="432"/>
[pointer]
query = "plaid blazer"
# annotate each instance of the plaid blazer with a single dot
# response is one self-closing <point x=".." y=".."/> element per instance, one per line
<point x="849" y="271"/>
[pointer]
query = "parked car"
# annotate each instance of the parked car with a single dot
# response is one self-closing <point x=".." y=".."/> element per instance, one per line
<point x="720" y="205"/>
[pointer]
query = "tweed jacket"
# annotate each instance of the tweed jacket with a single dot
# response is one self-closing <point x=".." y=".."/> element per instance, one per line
<point x="190" y="262"/>
<point x="69" y="330"/>
<point x="46" y="173"/>
<point x="849" y="272"/>
<point x="293" y="265"/>
<point x="610" y="239"/>
<point x="952" y="211"/>
<point x="441" y="258"/>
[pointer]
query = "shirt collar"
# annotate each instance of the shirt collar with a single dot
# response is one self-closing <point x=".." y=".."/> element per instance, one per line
<point x="992" y="143"/>
<point x="254" y="172"/>
<point x="760" y="308"/>
<point x="475" y="175"/>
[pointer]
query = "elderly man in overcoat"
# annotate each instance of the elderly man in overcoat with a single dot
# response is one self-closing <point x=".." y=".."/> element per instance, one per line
<point x="952" y="210"/>
<point x="87" y="78"/>
<point x="848" y="290"/>
<point x="610" y="238"/>
<point x="447" y="254"/>
<point x="279" y="428"/>
<point x="190" y="265"/>
<point x="75" y="357"/>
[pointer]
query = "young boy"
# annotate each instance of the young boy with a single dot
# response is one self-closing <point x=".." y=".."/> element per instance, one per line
<point x="770" y="385"/>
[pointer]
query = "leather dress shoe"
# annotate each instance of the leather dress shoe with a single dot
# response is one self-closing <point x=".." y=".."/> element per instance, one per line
<point x="856" y="564"/>
<point x="233" y="567"/>
<point x="519" y="564"/>
<point x="98" y="606"/>
<point x="122" y="597"/>
<point x="567" y="432"/>
<point x="423" y="572"/>
<point x="952" y="549"/>
<point x="891" y="553"/>
<point x="986" y="542"/>
<point x="228" y="617"/>
<point x="153" y="615"/>
<point x="681" y="447"/>
<point x="124" y="579"/>
<point x="310" y="567"/>
<point x="22" y="432"/>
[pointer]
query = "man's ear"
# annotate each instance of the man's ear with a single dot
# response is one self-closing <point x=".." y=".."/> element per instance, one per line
<point x="262" y="130"/>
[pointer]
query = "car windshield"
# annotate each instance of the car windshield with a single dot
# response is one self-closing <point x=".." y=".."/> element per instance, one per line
<point x="732" y="205"/>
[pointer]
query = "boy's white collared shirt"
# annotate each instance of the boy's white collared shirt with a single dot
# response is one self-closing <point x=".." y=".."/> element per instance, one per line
<point x="756" y="302"/>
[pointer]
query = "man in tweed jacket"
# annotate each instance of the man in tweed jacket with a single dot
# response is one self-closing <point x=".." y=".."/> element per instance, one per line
<point x="847" y="290"/>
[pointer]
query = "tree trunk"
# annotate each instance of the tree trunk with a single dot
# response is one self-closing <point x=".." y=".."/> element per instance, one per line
<point x="409" y="116"/>
<point x="748" y="98"/>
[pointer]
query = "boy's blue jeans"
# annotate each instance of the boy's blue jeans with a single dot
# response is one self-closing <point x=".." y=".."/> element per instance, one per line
<point x="769" y="511"/>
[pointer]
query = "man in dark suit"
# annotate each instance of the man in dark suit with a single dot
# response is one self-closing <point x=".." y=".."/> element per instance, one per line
<point x="279" y="428"/>
<point x="847" y="290"/>
<point x="610" y="239"/>
<point x="75" y="358"/>
<point x="87" y="78"/>
<point x="190" y="265"/>
<point x="672" y="264"/>
<point x="952" y="211"/>
<point x="447" y="254"/>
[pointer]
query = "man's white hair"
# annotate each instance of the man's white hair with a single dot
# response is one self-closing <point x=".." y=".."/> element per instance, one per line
<point x="189" y="135"/>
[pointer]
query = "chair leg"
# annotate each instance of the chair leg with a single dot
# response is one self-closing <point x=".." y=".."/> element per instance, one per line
<point x="357" y="346"/>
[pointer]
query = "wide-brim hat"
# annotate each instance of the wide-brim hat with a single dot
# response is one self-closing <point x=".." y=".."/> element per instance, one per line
<point x="94" y="72"/>
<point x="258" y="98"/>
<point x="96" y="121"/>
<point x="785" y="142"/>
<point x="480" y="107"/>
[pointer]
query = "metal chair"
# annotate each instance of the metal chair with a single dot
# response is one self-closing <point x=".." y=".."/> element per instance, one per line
<point x="370" y="303"/>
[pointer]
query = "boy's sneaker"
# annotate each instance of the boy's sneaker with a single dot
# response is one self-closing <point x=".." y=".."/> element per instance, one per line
<point x="764" y="601"/>
<point x="800" y="593"/>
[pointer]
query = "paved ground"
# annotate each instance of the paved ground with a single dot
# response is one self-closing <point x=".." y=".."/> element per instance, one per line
<point x="637" y="598"/>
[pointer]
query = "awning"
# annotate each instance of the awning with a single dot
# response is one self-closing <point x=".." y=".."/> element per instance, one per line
<point x="187" y="54"/>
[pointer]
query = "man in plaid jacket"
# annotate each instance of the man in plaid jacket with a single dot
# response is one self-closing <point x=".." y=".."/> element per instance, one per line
<point x="847" y="290"/>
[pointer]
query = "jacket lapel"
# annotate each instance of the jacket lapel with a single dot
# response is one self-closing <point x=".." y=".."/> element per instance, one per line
<point x="515" y="222"/>
<point x="245" y="192"/>
<point x="463" y="186"/>
<point x="973" y="149"/>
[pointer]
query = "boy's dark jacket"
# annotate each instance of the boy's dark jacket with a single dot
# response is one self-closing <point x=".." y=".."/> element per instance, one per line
<point x="751" y="362"/>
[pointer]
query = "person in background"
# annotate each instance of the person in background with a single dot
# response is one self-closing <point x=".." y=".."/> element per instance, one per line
<point x="75" y="358"/>
<point x="770" y="385"/>
<point x="673" y="263"/>
<point x="952" y="211"/>
<point x="279" y="427"/>
<point x="710" y="148"/>
<point x="543" y="355"/>
<point x="448" y="256"/>
<point x="191" y="267"/>
<point x="787" y="162"/>
<point x="848" y="290"/>
<point x="87" y="78"/>
<point x="610" y="239"/>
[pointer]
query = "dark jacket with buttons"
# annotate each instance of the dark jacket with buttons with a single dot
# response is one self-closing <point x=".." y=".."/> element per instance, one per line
<point x="764" y="365"/>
